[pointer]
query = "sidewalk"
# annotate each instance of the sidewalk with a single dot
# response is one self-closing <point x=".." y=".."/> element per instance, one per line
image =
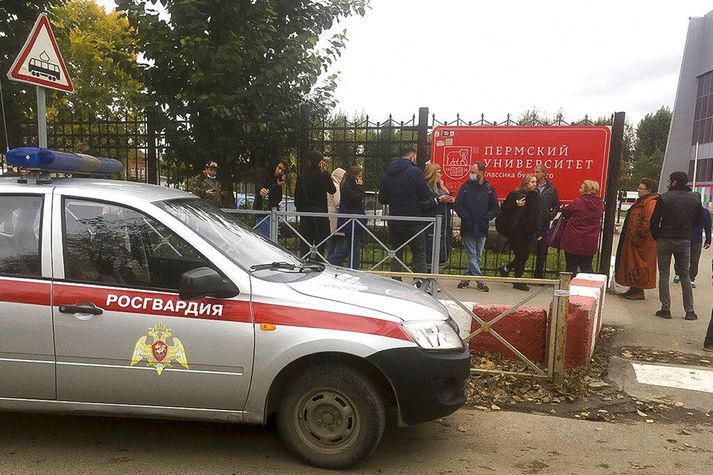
<point x="636" y="320"/>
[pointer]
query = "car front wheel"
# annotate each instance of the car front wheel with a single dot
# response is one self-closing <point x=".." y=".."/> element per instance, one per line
<point x="332" y="416"/>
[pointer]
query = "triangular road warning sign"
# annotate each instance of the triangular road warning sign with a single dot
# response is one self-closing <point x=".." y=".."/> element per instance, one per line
<point x="40" y="62"/>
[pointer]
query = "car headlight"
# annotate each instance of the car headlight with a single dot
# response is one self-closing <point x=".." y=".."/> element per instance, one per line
<point x="435" y="335"/>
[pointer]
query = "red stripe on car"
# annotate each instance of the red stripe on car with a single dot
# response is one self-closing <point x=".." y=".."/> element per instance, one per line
<point x="21" y="291"/>
<point x="310" y="318"/>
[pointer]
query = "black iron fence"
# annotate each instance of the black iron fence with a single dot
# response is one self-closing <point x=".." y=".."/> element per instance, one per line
<point x="153" y="150"/>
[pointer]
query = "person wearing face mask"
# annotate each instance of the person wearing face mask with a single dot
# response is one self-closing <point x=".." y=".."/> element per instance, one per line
<point x="207" y="186"/>
<point x="476" y="205"/>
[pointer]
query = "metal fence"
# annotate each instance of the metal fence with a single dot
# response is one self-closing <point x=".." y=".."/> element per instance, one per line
<point x="152" y="150"/>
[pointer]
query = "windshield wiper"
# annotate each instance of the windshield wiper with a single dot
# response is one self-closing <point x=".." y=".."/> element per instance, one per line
<point x="315" y="266"/>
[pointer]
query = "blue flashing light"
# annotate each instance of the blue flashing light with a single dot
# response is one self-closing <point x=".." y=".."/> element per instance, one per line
<point x="42" y="159"/>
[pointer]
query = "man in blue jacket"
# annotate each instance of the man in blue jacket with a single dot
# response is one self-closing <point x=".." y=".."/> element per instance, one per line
<point x="477" y="205"/>
<point x="404" y="189"/>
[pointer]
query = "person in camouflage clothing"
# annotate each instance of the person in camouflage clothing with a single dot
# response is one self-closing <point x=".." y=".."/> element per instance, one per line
<point x="207" y="186"/>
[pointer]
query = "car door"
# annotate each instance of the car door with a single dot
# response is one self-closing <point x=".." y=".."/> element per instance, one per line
<point x="122" y="333"/>
<point x="27" y="366"/>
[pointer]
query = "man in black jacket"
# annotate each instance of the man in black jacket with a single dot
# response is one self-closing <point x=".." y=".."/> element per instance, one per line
<point x="676" y="212"/>
<point x="404" y="189"/>
<point x="549" y="207"/>
<point x="311" y="192"/>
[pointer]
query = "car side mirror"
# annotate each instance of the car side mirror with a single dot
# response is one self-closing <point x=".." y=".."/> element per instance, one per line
<point x="205" y="282"/>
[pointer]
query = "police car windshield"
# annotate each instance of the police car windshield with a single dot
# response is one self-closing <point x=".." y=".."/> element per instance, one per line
<point x="226" y="233"/>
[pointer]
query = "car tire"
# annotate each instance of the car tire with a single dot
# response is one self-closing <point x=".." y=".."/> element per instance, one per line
<point x="332" y="416"/>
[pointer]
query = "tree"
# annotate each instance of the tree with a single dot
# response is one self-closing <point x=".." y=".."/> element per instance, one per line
<point x="100" y="50"/>
<point x="16" y="20"/>
<point x="235" y="67"/>
<point x="650" y="145"/>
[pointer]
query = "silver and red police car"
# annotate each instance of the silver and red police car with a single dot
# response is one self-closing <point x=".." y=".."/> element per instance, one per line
<point x="138" y="300"/>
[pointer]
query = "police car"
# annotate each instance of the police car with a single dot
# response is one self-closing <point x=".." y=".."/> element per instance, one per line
<point x="130" y="299"/>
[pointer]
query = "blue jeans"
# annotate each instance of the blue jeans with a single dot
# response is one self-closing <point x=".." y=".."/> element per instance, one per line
<point x="341" y="252"/>
<point x="264" y="226"/>
<point x="474" y="247"/>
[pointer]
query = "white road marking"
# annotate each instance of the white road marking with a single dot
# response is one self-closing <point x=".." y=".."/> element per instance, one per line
<point x="674" y="377"/>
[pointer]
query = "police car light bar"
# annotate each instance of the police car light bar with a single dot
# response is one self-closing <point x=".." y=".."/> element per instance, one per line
<point x="42" y="159"/>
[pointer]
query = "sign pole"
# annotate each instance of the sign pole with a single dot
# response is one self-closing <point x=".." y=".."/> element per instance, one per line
<point x="41" y="117"/>
<point x="695" y="167"/>
<point x="617" y="145"/>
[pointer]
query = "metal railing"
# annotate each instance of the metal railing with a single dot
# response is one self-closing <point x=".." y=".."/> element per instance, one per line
<point x="271" y="222"/>
<point x="556" y="338"/>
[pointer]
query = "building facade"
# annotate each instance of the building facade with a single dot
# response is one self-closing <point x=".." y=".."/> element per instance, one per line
<point x="690" y="139"/>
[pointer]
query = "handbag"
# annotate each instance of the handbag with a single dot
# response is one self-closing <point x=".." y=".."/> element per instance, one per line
<point x="554" y="234"/>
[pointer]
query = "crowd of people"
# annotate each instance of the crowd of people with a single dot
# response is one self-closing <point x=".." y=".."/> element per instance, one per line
<point x="657" y="228"/>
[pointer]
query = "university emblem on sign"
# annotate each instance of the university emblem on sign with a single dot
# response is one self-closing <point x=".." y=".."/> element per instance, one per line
<point x="156" y="350"/>
<point x="456" y="161"/>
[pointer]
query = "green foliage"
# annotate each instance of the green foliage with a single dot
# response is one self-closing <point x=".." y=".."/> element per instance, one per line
<point x="228" y="65"/>
<point x="652" y="134"/>
<point x="100" y="50"/>
<point x="16" y="20"/>
<point x="650" y="146"/>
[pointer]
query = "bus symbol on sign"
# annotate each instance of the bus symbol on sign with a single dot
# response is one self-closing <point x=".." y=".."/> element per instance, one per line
<point x="43" y="67"/>
<point x="456" y="161"/>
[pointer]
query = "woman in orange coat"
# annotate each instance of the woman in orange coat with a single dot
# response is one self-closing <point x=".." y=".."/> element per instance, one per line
<point x="636" y="254"/>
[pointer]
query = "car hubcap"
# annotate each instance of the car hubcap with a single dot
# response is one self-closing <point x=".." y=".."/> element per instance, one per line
<point x="327" y="419"/>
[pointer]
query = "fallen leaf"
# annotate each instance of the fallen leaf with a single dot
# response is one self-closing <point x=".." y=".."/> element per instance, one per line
<point x="642" y="414"/>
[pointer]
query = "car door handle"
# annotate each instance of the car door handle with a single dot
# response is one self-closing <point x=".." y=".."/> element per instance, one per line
<point x="81" y="307"/>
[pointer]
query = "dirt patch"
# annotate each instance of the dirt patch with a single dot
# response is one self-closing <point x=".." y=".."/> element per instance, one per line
<point x="585" y="394"/>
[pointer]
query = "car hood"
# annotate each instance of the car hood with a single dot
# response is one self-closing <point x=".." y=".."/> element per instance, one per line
<point x="372" y="292"/>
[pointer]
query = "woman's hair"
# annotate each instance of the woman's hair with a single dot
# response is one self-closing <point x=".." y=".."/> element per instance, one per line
<point x="649" y="183"/>
<point x="525" y="180"/>
<point x="430" y="173"/>
<point x="353" y="172"/>
<point x="590" y="187"/>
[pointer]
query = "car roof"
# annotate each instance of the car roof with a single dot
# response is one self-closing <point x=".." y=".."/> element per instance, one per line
<point x="117" y="188"/>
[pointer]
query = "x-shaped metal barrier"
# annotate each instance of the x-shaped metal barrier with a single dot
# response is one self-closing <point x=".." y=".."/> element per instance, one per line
<point x="275" y="217"/>
<point x="557" y="322"/>
<point x="557" y="317"/>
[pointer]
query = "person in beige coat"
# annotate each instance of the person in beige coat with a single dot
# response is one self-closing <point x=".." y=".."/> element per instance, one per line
<point x="333" y="203"/>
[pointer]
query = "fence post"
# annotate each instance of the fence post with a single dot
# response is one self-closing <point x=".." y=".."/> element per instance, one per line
<point x="274" y="225"/>
<point x="436" y="251"/>
<point x="422" y="152"/>
<point x="303" y="128"/>
<point x="561" y="309"/>
<point x="617" y="143"/>
<point x="151" y="156"/>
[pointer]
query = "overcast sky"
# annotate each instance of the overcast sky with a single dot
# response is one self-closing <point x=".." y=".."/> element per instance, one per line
<point x="500" y="56"/>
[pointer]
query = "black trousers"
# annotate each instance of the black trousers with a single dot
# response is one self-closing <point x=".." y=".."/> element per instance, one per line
<point x="521" y="249"/>
<point x="573" y="262"/>
<point x="314" y="230"/>
<point x="399" y="234"/>
<point x="541" y="259"/>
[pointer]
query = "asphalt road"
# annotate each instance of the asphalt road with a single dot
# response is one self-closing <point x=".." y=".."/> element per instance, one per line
<point x="469" y="441"/>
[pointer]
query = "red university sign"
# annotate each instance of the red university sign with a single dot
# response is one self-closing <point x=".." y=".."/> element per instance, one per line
<point x="571" y="155"/>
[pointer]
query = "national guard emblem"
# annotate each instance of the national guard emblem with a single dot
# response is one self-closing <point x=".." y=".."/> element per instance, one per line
<point x="155" y="349"/>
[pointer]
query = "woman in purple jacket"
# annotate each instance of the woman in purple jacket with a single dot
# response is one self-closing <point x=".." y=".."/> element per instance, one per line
<point x="580" y="239"/>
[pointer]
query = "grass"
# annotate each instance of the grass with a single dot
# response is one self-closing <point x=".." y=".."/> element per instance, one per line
<point x="492" y="259"/>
